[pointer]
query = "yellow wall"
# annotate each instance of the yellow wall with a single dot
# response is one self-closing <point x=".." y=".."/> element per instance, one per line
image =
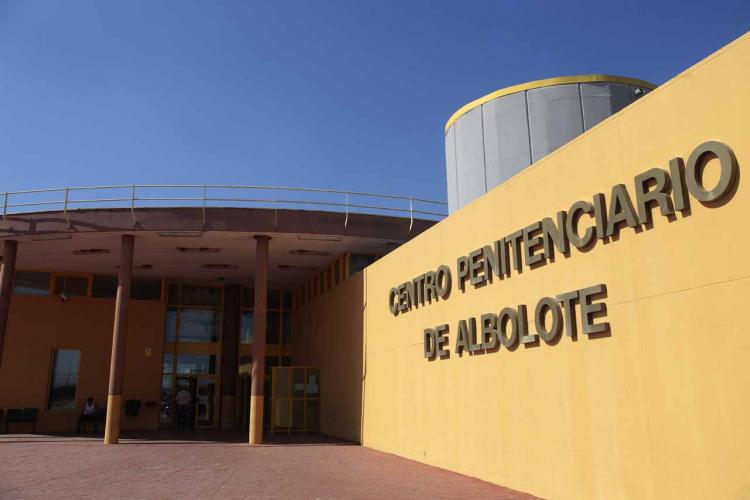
<point x="86" y="324"/>
<point x="328" y="334"/>
<point x="660" y="408"/>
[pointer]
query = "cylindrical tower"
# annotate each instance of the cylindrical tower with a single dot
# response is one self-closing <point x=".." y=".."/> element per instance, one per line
<point x="496" y="136"/>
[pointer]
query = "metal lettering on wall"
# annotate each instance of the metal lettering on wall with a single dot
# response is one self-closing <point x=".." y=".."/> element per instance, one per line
<point x="510" y="327"/>
<point x="535" y="245"/>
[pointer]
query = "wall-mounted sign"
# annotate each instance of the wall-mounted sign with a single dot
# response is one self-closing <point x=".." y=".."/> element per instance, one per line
<point x="535" y="245"/>
<point x="510" y="327"/>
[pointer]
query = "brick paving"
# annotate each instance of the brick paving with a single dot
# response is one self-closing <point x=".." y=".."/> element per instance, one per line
<point x="219" y="465"/>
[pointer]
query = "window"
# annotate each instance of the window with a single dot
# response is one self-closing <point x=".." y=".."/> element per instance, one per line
<point x="173" y="295"/>
<point x="170" y="329"/>
<point x="199" y="325"/>
<point x="165" y="406"/>
<point x="104" y="286"/>
<point x="271" y="361"/>
<point x="165" y="412"/>
<point x="274" y="299"/>
<point x="245" y="363"/>
<point x="145" y="289"/>
<point x="72" y="286"/>
<point x="168" y="360"/>
<point x="196" y="363"/>
<point x="273" y="323"/>
<point x="64" y="380"/>
<point x="200" y="296"/>
<point x="140" y="288"/>
<point x="286" y="333"/>
<point x="31" y="283"/>
<point x="248" y="296"/>
<point x="246" y="328"/>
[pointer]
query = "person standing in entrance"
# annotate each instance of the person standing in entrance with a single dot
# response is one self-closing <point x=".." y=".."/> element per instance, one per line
<point x="182" y="399"/>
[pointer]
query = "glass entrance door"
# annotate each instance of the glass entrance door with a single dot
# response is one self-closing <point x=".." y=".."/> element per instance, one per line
<point x="204" y="403"/>
<point x="202" y="391"/>
<point x="192" y="353"/>
<point x="186" y="384"/>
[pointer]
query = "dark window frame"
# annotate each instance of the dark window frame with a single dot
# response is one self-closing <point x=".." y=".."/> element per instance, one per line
<point x="51" y="379"/>
<point x="43" y="293"/>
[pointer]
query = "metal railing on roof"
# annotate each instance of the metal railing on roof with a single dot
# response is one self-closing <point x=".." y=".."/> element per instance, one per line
<point x="137" y="196"/>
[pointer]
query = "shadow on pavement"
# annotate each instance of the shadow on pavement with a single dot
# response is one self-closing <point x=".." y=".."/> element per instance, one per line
<point x="208" y="437"/>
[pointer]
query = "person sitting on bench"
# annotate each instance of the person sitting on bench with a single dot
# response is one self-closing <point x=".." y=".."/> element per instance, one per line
<point x="88" y="414"/>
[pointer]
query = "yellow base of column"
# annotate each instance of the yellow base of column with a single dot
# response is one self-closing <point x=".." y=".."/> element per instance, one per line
<point x="112" y="428"/>
<point x="256" y="420"/>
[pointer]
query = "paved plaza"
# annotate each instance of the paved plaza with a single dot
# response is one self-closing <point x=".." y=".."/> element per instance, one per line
<point x="220" y="466"/>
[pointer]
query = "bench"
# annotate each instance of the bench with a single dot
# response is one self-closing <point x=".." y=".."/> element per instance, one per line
<point x="25" y="415"/>
<point x="100" y="416"/>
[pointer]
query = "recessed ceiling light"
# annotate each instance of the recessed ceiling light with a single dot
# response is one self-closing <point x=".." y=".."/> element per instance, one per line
<point x="287" y="267"/>
<point x="181" y="234"/>
<point x="91" y="251"/>
<point x="316" y="253"/>
<point x="140" y="266"/>
<point x="197" y="250"/>
<point x="315" y="237"/>
<point x="220" y="266"/>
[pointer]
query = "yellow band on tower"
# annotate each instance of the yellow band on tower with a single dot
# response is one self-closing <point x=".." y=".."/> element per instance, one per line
<point x="560" y="80"/>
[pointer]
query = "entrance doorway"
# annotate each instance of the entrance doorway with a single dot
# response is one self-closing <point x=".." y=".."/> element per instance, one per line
<point x="192" y="353"/>
<point x="202" y="390"/>
<point x="188" y="384"/>
<point x="205" y="409"/>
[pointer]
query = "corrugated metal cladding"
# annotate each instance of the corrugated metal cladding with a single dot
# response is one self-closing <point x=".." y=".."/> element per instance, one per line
<point x="496" y="140"/>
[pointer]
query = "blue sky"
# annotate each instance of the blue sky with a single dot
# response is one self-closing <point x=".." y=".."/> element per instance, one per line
<point x="339" y="94"/>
